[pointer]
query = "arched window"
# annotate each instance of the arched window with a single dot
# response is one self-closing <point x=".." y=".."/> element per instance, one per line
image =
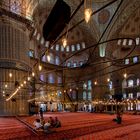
<point x="89" y="95"/>
<point x="124" y="42"/>
<point x="67" y="49"/>
<point x="135" y="59"/>
<point x="42" y="77"/>
<point x="72" y="48"/>
<point x="130" y="42"/>
<point x="74" y="64"/>
<point x="57" y="47"/>
<point x="138" y="82"/>
<point x="81" y="63"/>
<point x="78" y="47"/>
<point x="130" y="83"/>
<point x="84" y="95"/>
<point x="137" y="40"/>
<point x="51" y="78"/>
<point x="42" y="41"/>
<point x="47" y="44"/>
<point x="51" y="58"/>
<point x="110" y="85"/>
<point x="69" y="64"/>
<point x="83" y="45"/>
<point x="62" y="48"/>
<point x="57" y="60"/>
<point x="84" y="86"/>
<point x="126" y="61"/>
<point x="89" y="85"/>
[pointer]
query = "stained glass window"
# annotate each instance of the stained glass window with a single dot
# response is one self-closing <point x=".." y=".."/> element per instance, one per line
<point x="135" y="59"/>
<point x="72" y="48"/>
<point x="78" y="46"/>
<point x="51" y="78"/>
<point x="84" y="95"/>
<point x="126" y="61"/>
<point x="130" y="83"/>
<point x="138" y="82"/>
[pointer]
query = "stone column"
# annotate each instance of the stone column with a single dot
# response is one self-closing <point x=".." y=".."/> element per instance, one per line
<point x="14" y="44"/>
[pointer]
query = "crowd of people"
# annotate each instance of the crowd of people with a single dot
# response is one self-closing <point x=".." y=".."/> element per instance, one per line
<point x="46" y="126"/>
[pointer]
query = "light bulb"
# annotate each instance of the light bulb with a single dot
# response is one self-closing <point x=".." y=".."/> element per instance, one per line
<point x="64" y="41"/>
<point x="87" y="13"/>
<point x="108" y="79"/>
<point x="95" y="83"/>
<point x="24" y="82"/>
<point x="10" y="74"/>
<point x="48" y="57"/>
<point x="29" y="78"/>
<point x="6" y="86"/>
<point x="33" y="74"/>
<point x="21" y="85"/>
<point x="40" y="67"/>
<point x="125" y="75"/>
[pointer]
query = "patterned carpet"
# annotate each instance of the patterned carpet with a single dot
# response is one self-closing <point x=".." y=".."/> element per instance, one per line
<point x="75" y="126"/>
<point x="11" y="128"/>
<point x="89" y="124"/>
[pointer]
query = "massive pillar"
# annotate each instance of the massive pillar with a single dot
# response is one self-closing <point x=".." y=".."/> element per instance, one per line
<point x="14" y="44"/>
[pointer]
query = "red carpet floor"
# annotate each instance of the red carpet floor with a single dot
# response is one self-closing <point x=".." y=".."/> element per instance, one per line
<point x="12" y="129"/>
<point x="90" y="126"/>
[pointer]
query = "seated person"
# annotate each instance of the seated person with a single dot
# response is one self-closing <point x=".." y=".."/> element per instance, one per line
<point x="37" y="124"/>
<point x="47" y="126"/>
<point x="57" y="123"/>
<point x="118" y="118"/>
<point x="51" y="121"/>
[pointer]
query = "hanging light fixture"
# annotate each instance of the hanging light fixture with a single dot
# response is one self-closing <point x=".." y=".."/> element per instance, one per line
<point x="33" y="74"/>
<point x="28" y="78"/>
<point x="48" y="57"/>
<point x="40" y="67"/>
<point x="21" y="85"/>
<point x="95" y="83"/>
<point x="64" y="42"/>
<point x="6" y="85"/>
<point x="88" y="10"/>
<point x="87" y="13"/>
<point x="10" y="75"/>
<point x="108" y="80"/>
<point x="65" y="39"/>
<point x="125" y="75"/>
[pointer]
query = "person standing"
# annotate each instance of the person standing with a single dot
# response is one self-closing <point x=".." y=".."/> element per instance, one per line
<point x="41" y="113"/>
